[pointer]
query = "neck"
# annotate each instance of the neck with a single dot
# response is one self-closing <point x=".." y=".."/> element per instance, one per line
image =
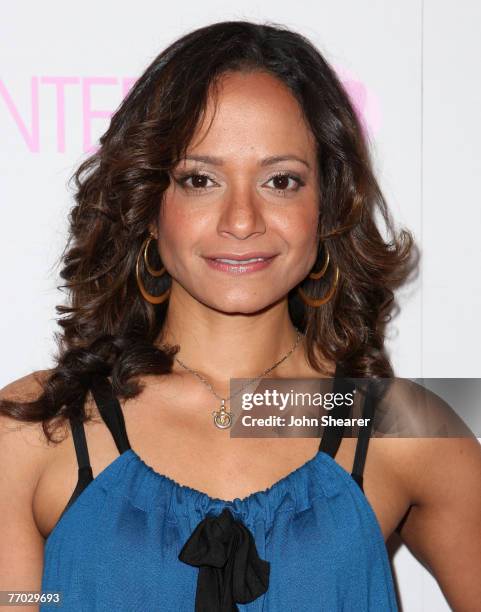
<point x="222" y="346"/>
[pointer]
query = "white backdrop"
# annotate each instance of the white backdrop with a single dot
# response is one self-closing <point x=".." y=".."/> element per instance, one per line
<point x="414" y="72"/>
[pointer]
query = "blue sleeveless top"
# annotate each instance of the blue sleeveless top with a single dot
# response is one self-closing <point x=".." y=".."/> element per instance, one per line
<point x="137" y="541"/>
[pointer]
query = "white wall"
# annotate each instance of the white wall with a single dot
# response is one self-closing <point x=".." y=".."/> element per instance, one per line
<point x="416" y="64"/>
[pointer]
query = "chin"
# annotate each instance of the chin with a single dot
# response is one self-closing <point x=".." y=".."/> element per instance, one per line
<point x="245" y="305"/>
<point x="236" y="305"/>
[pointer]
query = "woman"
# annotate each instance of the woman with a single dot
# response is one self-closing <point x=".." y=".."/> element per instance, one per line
<point x="237" y="143"/>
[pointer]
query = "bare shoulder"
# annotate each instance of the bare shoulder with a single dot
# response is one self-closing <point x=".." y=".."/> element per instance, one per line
<point x="24" y="448"/>
<point x="22" y="441"/>
<point x="23" y="455"/>
<point x="437" y="460"/>
<point x="27" y="388"/>
<point x="433" y="469"/>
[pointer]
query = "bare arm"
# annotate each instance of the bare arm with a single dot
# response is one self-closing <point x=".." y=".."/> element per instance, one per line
<point x="443" y="527"/>
<point x="22" y="454"/>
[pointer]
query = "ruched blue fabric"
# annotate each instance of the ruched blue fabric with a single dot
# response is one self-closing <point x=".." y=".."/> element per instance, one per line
<point x="117" y="546"/>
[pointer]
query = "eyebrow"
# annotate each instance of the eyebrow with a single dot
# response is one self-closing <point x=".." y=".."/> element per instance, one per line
<point x="267" y="161"/>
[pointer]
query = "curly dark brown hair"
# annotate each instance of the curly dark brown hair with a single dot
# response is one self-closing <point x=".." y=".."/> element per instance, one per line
<point x="107" y="326"/>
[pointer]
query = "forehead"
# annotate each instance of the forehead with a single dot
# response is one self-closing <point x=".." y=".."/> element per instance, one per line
<point x="253" y="111"/>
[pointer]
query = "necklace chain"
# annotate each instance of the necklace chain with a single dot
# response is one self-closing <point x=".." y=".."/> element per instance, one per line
<point x="206" y="382"/>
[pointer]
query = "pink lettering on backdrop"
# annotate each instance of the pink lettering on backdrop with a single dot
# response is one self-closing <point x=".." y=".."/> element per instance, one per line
<point x="32" y="138"/>
<point x="364" y="101"/>
<point x="88" y="112"/>
<point x="127" y="84"/>
<point x="60" y="83"/>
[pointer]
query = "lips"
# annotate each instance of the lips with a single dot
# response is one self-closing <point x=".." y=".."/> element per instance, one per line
<point x="242" y="257"/>
<point x="235" y="264"/>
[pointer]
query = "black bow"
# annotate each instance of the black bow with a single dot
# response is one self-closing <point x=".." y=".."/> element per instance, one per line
<point x="230" y="569"/>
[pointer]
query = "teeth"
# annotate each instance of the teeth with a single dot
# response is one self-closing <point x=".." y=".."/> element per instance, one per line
<point x="240" y="261"/>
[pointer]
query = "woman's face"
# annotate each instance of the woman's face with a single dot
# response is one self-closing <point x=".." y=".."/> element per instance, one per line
<point x="247" y="200"/>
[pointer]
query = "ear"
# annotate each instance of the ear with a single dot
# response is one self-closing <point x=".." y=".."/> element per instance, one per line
<point x="153" y="230"/>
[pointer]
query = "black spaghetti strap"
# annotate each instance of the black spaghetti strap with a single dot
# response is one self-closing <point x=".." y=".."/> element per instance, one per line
<point x="80" y="442"/>
<point x="363" y="439"/>
<point x="85" y="475"/>
<point x="110" y="410"/>
<point x="332" y="436"/>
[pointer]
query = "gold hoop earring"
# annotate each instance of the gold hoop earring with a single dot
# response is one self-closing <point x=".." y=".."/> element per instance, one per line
<point x="153" y="299"/>
<point x="316" y="302"/>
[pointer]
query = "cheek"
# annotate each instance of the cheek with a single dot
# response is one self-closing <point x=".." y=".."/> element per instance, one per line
<point x="179" y="210"/>
<point x="308" y="227"/>
<point x="299" y="227"/>
<point x="180" y="232"/>
<point x="171" y="236"/>
<point x="174" y="238"/>
<point x="173" y="218"/>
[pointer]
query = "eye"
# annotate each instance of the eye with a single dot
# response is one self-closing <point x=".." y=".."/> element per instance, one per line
<point x="198" y="181"/>
<point x="281" y="182"/>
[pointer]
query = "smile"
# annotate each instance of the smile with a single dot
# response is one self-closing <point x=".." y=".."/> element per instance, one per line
<point x="244" y="266"/>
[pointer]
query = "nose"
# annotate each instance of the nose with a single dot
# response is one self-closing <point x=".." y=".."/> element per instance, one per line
<point x="241" y="212"/>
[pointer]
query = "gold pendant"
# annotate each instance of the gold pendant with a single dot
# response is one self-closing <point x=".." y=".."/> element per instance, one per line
<point x="222" y="418"/>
